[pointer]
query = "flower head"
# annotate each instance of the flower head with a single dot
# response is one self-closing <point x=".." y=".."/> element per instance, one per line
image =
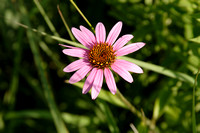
<point x="100" y="57"/>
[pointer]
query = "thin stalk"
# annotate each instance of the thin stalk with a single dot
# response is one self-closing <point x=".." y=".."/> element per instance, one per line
<point x="53" y="37"/>
<point x="58" y="121"/>
<point x="133" y="128"/>
<point x="10" y="96"/>
<point x="74" y="4"/>
<point x="60" y="126"/>
<point x="46" y="18"/>
<point x="132" y="108"/>
<point x="66" y="25"/>
<point x="193" y="105"/>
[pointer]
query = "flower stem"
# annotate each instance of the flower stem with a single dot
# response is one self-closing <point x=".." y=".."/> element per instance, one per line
<point x="133" y="109"/>
<point x="74" y="4"/>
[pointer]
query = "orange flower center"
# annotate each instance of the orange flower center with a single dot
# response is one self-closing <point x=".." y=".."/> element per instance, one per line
<point x="101" y="55"/>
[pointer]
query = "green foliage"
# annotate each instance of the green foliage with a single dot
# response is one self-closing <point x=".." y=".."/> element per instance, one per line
<point x="34" y="96"/>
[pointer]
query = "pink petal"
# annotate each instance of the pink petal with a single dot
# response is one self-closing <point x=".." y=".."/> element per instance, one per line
<point x="76" y="65"/>
<point x="128" y="66"/>
<point x="89" y="35"/>
<point x="81" y="37"/>
<point x="76" y="52"/>
<point x="114" y="33"/>
<point x="80" y="74"/>
<point x="110" y="81"/>
<point x="97" y="84"/>
<point x="129" y="48"/>
<point x="100" y="33"/>
<point x="122" y="72"/>
<point x="122" y="41"/>
<point x="89" y="81"/>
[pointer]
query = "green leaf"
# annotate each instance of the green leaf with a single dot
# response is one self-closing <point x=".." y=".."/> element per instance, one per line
<point x="161" y="70"/>
<point x="60" y="126"/>
<point x="196" y="39"/>
<point x="105" y="95"/>
<point x="197" y="16"/>
<point x="193" y="104"/>
<point x="78" y="120"/>
<point x="160" y="103"/>
<point x="109" y="116"/>
<point x="46" y="18"/>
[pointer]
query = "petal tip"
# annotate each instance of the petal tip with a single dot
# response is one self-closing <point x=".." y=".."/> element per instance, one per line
<point x="142" y="44"/>
<point x="120" y="23"/>
<point x="94" y="97"/>
<point x="84" y="92"/>
<point x="131" y="81"/>
<point x="70" y="81"/>
<point x="141" y="71"/>
<point x="113" y="92"/>
<point x="100" y="23"/>
<point x="64" y="51"/>
<point x="65" y="70"/>
<point x="72" y="29"/>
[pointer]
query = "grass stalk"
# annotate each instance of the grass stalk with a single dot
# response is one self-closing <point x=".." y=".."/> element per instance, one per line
<point x="74" y="4"/>
<point x="60" y="126"/>
<point x="65" y="23"/>
<point x="193" y="104"/>
<point x="46" y="18"/>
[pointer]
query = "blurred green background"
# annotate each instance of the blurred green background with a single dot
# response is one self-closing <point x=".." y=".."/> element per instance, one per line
<point x="34" y="97"/>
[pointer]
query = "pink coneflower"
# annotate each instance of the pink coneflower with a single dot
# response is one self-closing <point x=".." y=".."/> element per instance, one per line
<point x="100" y="57"/>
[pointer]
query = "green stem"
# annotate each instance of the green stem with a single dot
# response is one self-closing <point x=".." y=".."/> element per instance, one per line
<point x="193" y="104"/>
<point x="74" y="4"/>
<point x="58" y="121"/>
<point x="65" y="23"/>
<point x="46" y="18"/>
<point x="53" y="37"/>
<point x="132" y="108"/>
<point x="10" y="96"/>
<point x="47" y="90"/>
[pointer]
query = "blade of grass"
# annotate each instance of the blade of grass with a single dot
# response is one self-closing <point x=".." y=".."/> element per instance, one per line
<point x="133" y="128"/>
<point x="9" y="97"/>
<point x="51" y="36"/>
<point x="46" y="18"/>
<point x="66" y="25"/>
<point x="105" y="95"/>
<point x="74" y="4"/>
<point x="159" y="69"/>
<point x="193" y="104"/>
<point x="195" y="40"/>
<point x="60" y="126"/>
<point x="2" y="124"/>
<point x="53" y="56"/>
<point x="120" y="101"/>
<point x="34" y="84"/>
<point x="78" y="120"/>
<point x="132" y="108"/>
<point x="109" y="116"/>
